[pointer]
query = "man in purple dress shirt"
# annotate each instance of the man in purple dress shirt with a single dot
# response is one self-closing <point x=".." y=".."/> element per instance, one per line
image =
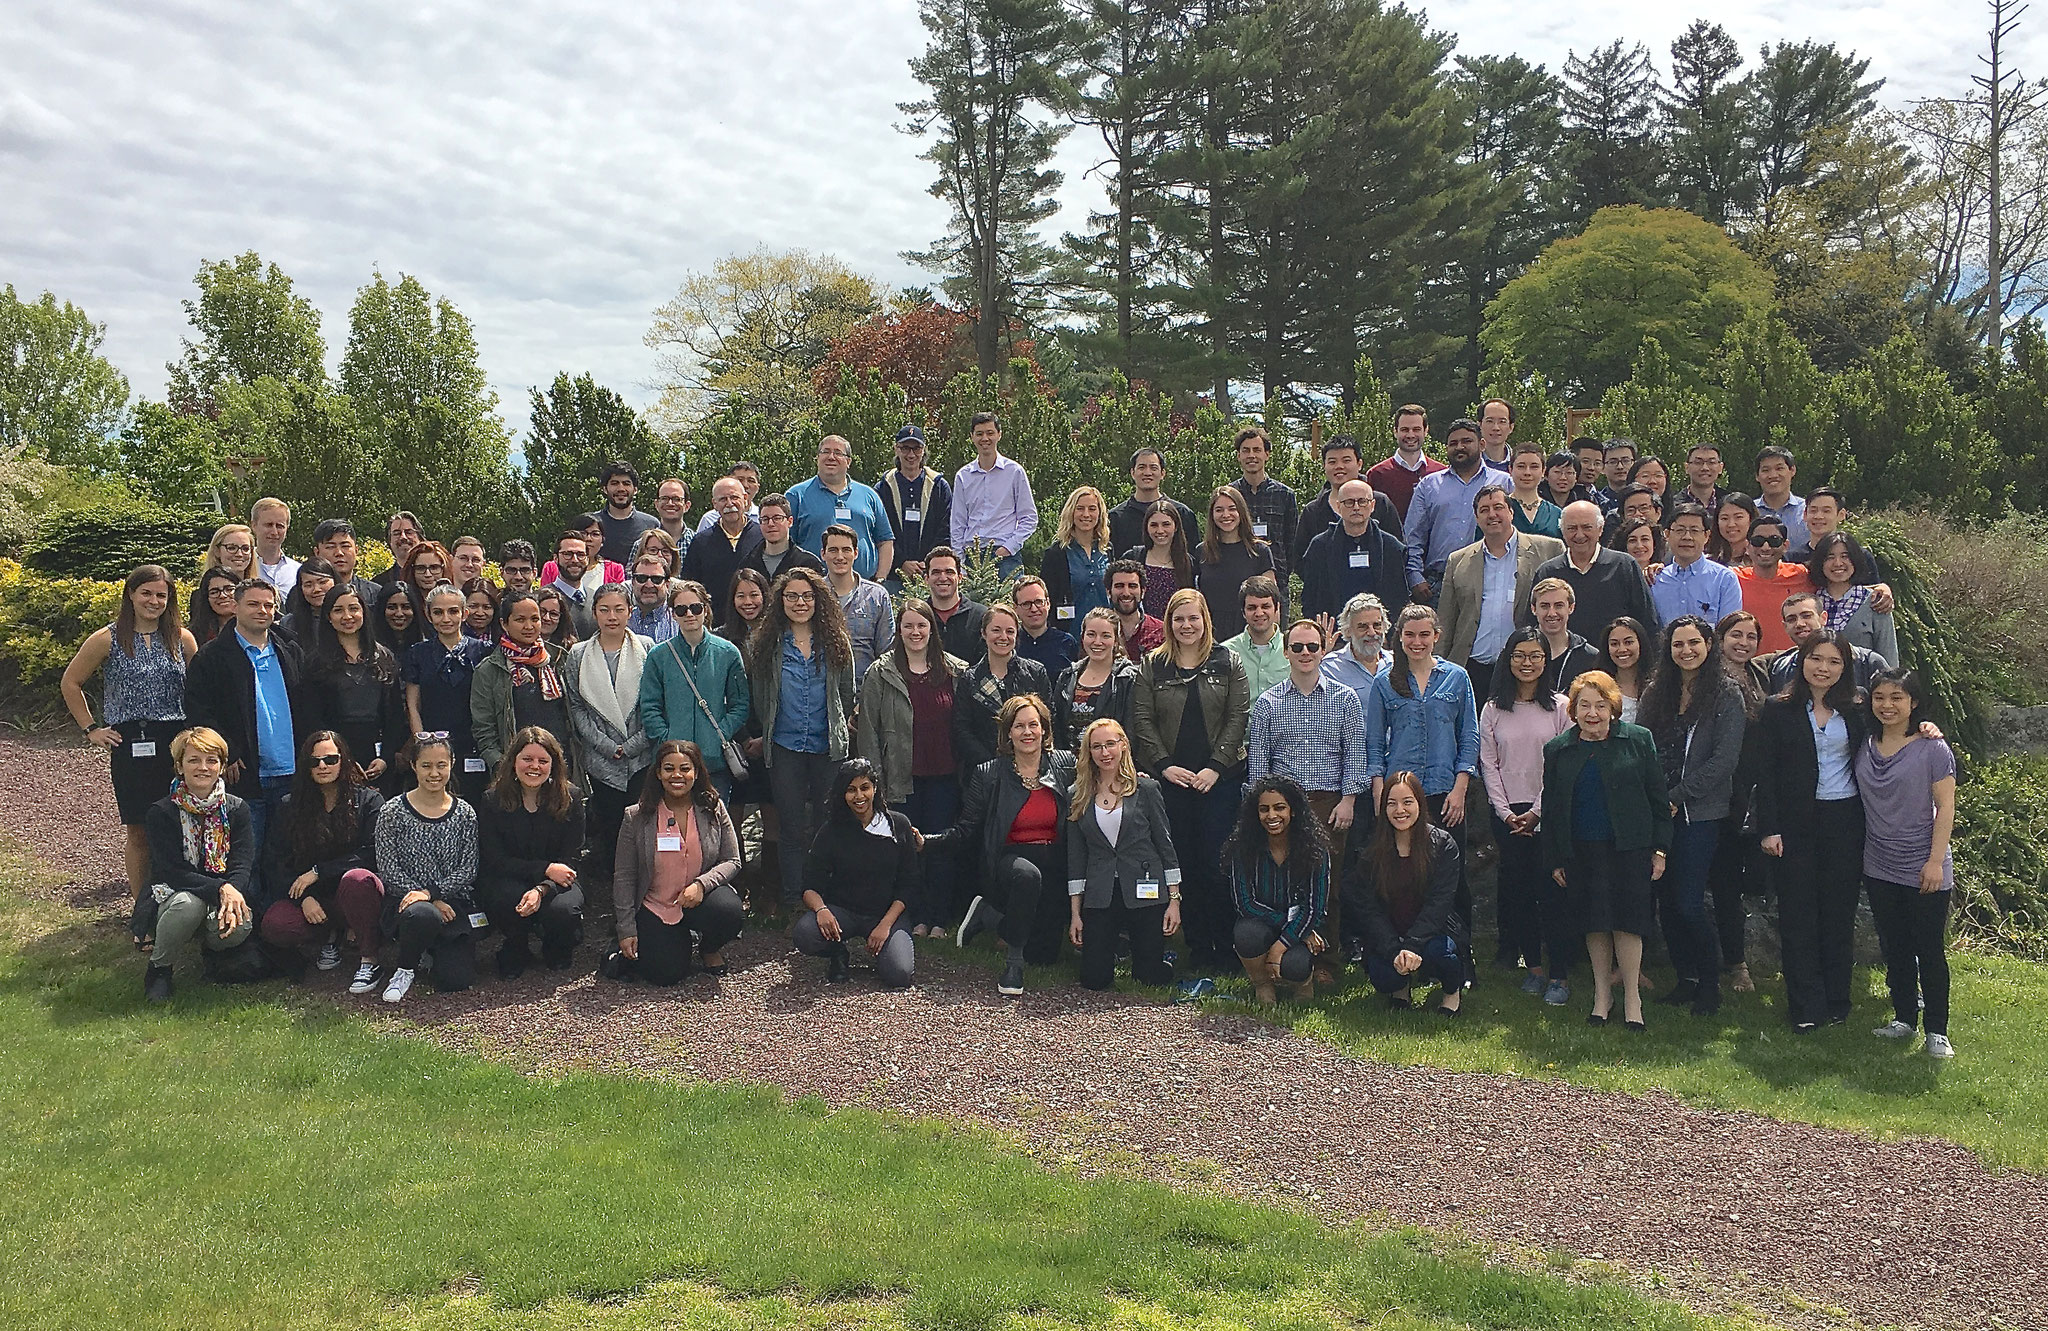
<point x="992" y="506"/>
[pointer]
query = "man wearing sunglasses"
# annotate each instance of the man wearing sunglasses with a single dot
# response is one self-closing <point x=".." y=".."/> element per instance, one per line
<point x="695" y="663"/>
<point x="650" y="617"/>
<point x="1768" y="580"/>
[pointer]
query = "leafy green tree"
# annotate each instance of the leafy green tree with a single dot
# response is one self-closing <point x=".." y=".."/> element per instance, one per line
<point x="177" y="458"/>
<point x="248" y="324"/>
<point x="738" y="432"/>
<point x="998" y="74"/>
<point x="1797" y="90"/>
<point x="1612" y="154"/>
<point x="425" y="411"/>
<point x="59" y="397"/>
<point x="303" y="443"/>
<point x="576" y="427"/>
<point x="1584" y="309"/>
<point x="1712" y="170"/>
<point x="1774" y="395"/>
<point x="1908" y="437"/>
<point x="2013" y="409"/>
<point x="1665" y="412"/>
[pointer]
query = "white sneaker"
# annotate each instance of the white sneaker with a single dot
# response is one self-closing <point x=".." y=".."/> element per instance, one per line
<point x="400" y="986"/>
<point x="366" y="977"/>
<point x="1939" y="1047"/>
<point x="1894" y="1030"/>
<point x="330" y="956"/>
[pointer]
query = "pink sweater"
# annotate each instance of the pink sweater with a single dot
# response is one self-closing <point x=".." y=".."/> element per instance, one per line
<point x="1511" y="751"/>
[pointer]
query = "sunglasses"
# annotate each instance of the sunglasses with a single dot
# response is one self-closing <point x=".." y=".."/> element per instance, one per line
<point x="326" y="760"/>
<point x="1304" y="647"/>
<point x="1769" y="542"/>
<point x="425" y="735"/>
<point x="695" y="608"/>
<point x="650" y="578"/>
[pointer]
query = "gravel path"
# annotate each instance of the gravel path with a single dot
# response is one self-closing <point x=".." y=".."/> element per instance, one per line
<point x="1727" y="1208"/>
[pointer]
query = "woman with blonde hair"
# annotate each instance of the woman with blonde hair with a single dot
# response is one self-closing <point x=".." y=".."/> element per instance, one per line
<point x="1075" y="564"/>
<point x="233" y="550"/>
<point x="1191" y="708"/>
<point x="202" y="858"/>
<point x="1123" y="875"/>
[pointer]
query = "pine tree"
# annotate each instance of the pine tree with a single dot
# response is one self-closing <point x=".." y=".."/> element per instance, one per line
<point x="1711" y="162"/>
<point x="1612" y="153"/>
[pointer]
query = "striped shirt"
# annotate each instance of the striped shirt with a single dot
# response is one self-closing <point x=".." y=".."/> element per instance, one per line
<point x="1273" y="894"/>
<point x="1318" y="738"/>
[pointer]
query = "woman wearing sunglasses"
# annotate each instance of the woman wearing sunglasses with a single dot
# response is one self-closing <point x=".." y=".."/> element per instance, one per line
<point x="324" y="858"/>
<point x="696" y="664"/>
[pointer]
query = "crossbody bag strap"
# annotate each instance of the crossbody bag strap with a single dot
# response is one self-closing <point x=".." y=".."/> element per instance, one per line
<point x="684" y="667"/>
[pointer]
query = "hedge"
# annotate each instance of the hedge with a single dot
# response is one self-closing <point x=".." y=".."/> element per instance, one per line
<point x="43" y="619"/>
<point x="106" y="541"/>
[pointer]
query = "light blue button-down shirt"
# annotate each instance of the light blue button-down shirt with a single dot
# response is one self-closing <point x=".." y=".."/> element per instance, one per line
<point x="1347" y="670"/>
<point x="1496" y="603"/>
<point x="1702" y="588"/>
<point x="1440" y="521"/>
<point x="1434" y="732"/>
<point x="1793" y="514"/>
<point x="1831" y="748"/>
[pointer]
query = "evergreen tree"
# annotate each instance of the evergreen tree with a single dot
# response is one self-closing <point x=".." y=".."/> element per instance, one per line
<point x="1712" y="168"/>
<point x="1612" y="152"/>
<point x="1797" y="90"/>
<point x="577" y="426"/>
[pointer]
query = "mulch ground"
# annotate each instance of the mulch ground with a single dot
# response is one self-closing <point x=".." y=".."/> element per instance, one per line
<point x="1723" y="1209"/>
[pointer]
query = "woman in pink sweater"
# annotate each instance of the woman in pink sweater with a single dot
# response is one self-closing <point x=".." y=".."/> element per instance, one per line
<point x="1517" y="721"/>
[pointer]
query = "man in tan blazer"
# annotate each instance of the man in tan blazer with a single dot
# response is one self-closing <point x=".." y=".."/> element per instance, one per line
<point x="1481" y="597"/>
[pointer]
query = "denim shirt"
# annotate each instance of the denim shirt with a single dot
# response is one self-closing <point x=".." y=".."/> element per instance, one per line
<point x="800" y="706"/>
<point x="1084" y="577"/>
<point x="1434" y="734"/>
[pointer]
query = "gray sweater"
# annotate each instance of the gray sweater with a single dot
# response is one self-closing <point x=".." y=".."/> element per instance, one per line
<point x="1707" y="781"/>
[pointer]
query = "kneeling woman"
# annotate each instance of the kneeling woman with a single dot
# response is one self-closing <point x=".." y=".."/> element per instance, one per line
<point x="529" y="833"/>
<point x="1122" y="873"/>
<point x="677" y="858"/>
<point x="323" y="854"/>
<point x="202" y="855"/>
<point x="1279" y="865"/>
<point x="1010" y="822"/>
<point x="1403" y="894"/>
<point x="861" y="873"/>
<point x="426" y="851"/>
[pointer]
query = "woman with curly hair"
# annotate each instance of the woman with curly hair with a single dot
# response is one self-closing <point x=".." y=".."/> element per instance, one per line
<point x="1278" y="859"/>
<point x="800" y="667"/>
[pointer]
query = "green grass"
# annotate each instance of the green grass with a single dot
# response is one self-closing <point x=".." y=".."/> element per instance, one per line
<point x="237" y="1161"/>
<point x="1992" y="1097"/>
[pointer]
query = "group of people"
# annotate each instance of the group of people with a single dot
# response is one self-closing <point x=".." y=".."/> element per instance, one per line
<point x="308" y="761"/>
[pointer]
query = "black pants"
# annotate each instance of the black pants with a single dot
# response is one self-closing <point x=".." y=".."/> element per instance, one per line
<point x="559" y="921"/>
<point x="421" y="930"/>
<point x="1032" y="910"/>
<point x="1533" y="920"/>
<point x="933" y="805"/>
<point x="1913" y="927"/>
<point x="1481" y="673"/>
<point x="1690" y="936"/>
<point x="800" y="783"/>
<point x="1099" y="932"/>
<point x="1252" y="938"/>
<point x="607" y="811"/>
<point x="1818" y="884"/>
<point x="1740" y="868"/>
<point x="1198" y="824"/>
<point x="665" y="948"/>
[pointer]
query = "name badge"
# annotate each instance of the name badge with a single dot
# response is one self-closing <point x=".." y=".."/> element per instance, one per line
<point x="1360" y="559"/>
<point x="479" y="920"/>
<point x="668" y="841"/>
<point x="1148" y="889"/>
<point x="377" y="749"/>
<point x="842" y="512"/>
<point x="909" y="514"/>
<point x="472" y="764"/>
<point x="142" y="748"/>
<point x="1259" y="530"/>
<point x="1294" y="913"/>
<point x="1064" y="612"/>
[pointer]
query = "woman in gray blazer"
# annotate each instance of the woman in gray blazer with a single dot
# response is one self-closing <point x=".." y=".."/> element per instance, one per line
<point x="1122" y="873"/>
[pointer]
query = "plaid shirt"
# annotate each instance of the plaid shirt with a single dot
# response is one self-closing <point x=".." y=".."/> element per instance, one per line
<point x="1318" y="738"/>
<point x="1275" y="507"/>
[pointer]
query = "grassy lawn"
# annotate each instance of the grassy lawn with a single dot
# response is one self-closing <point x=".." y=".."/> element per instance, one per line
<point x="1992" y="1098"/>
<point x="235" y="1162"/>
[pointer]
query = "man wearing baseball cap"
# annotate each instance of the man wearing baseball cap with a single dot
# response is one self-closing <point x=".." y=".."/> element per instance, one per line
<point x="919" y="504"/>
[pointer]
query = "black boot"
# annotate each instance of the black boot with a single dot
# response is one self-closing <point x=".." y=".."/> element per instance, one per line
<point x="1682" y="992"/>
<point x="836" y="971"/>
<point x="513" y="958"/>
<point x="1708" y="1000"/>
<point x="156" y="984"/>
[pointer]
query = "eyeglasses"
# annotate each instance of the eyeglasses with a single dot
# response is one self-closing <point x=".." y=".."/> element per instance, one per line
<point x="220" y="589"/>
<point x="236" y="549"/>
<point x="1530" y="658"/>
<point x="650" y="579"/>
<point x="1769" y="542"/>
<point x="798" y="598"/>
<point x="1304" y="647"/>
<point x="425" y="735"/>
<point x="1355" y="502"/>
<point x="326" y="760"/>
<point x="693" y="608"/>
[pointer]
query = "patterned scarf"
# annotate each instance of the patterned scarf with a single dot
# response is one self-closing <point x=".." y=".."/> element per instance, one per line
<point x="1843" y="609"/>
<point x="205" y="824"/>
<point x="529" y="664"/>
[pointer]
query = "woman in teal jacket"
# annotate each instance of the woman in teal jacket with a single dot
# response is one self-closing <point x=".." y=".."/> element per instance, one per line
<point x="669" y="706"/>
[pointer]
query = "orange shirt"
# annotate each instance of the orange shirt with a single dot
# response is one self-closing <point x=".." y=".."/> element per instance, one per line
<point x="1765" y="598"/>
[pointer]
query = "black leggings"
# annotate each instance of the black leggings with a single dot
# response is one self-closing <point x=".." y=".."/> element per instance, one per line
<point x="421" y="930"/>
<point x="559" y="921"/>
<point x="1913" y="927"/>
<point x="665" y="948"/>
<point x="1253" y="938"/>
<point x="1026" y="896"/>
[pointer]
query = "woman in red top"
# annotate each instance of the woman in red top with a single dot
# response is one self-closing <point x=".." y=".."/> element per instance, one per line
<point x="1010" y="822"/>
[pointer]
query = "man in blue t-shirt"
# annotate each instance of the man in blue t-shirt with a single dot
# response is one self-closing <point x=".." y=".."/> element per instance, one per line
<point x="833" y="497"/>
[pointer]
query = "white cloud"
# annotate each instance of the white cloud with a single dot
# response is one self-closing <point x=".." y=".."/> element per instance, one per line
<point x="556" y="169"/>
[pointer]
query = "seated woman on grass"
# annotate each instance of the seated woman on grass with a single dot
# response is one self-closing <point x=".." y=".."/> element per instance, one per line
<point x="427" y="853"/>
<point x="676" y="861"/>
<point x="1279" y="865"/>
<point x="202" y="858"/>
<point x="322" y="857"/>
<point x="1402" y="893"/>
<point x="859" y="879"/>
<point x="529" y="835"/>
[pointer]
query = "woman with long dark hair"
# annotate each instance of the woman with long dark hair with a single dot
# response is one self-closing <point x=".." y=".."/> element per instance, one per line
<point x="1624" y="658"/>
<point x="800" y="666"/>
<point x="677" y="857"/>
<point x="1123" y="874"/>
<point x="602" y="674"/>
<point x="859" y="880"/>
<point x="321" y="861"/>
<point x="1739" y="868"/>
<point x="557" y="623"/>
<point x="905" y="726"/>
<point x="305" y="609"/>
<point x="1229" y="554"/>
<point x="1642" y="540"/>
<point x="480" y="610"/>
<point x="1811" y="818"/>
<point x="140" y="658"/>
<point x="1694" y="711"/>
<point x="747" y="598"/>
<point x="529" y="833"/>
<point x="1729" y="542"/>
<point x="213" y="605"/>
<point x="352" y="687"/>
<point x="1842" y="571"/>
<point x="1403" y="888"/>
<point x="1163" y="556"/>
<point x="1278" y="859"/>
<point x="1908" y="784"/>
<point x="746" y="604"/>
<point x="1522" y="716"/>
<point x="399" y="623"/>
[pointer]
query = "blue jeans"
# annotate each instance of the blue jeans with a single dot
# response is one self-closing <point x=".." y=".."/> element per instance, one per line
<point x="1689" y="935"/>
<point x="1440" y="962"/>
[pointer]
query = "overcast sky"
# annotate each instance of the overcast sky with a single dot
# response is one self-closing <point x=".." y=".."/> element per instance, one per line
<point x="556" y="169"/>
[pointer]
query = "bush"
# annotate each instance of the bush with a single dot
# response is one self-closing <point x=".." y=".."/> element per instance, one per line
<point x="107" y="541"/>
<point x="2001" y="850"/>
<point x="1951" y="664"/>
<point x="42" y="621"/>
<point x="1992" y="582"/>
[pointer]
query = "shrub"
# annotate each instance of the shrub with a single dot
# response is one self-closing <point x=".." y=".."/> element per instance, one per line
<point x="106" y="541"/>
<point x="1992" y="582"/>
<point x="1956" y="668"/>
<point x="2001" y="850"/>
<point x="42" y="621"/>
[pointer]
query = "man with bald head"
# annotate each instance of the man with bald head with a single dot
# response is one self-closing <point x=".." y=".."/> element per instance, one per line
<point x="834" y="498"/>
<point x="1606" y="584"/>
<point x="1354" y="554"/>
